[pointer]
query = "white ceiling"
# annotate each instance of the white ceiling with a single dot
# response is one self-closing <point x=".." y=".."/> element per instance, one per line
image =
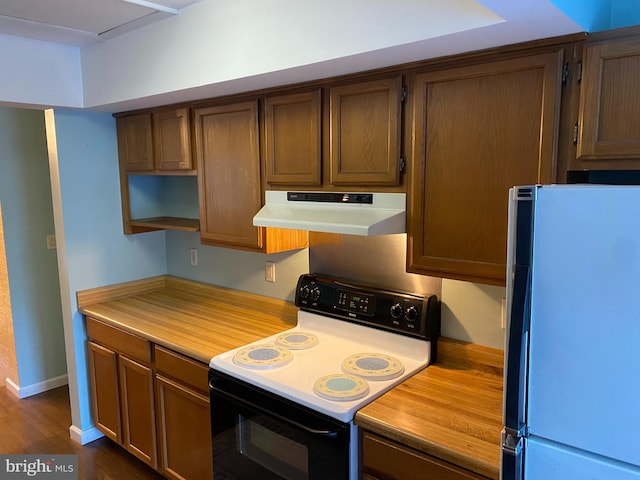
<point x="247" y="44"/>
<point x="82" y="22"/>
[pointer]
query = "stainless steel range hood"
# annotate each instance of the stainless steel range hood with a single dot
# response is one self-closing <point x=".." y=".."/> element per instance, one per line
<point x="331" y="212"/>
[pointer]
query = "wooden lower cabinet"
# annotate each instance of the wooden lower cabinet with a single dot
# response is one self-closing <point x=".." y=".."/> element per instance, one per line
<point x="185" y="431"/>
<point x="155" y="405"/>
<point x="183" y="418"/>
<point x="122" y="400"/>
<point x="384" y="459"/>
<point x="105" y="391"/>
<point x="138" y="419"/>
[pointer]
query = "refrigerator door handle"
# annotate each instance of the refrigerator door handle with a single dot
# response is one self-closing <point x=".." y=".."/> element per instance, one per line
<point x="511" y="254"/>
<point x="517" y="334"/>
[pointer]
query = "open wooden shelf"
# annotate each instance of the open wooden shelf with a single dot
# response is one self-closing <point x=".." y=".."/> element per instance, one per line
<point x="164" y="223"/>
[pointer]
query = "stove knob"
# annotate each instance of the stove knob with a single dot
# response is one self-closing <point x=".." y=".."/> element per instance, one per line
<point x="304" y="291"/>
<point x="315" y="294"/>
<point x="412" y="314"/>
<point x="396" y="310"/>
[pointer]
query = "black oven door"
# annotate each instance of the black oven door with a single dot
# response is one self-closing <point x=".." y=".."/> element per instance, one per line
<point x="259" y="435"/>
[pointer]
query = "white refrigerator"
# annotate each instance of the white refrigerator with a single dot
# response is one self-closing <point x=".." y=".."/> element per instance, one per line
<point x="572" y="353"/>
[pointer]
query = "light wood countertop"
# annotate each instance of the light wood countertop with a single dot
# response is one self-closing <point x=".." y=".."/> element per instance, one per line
<point x="192" y="318"/>
<point x="451" y="410"/>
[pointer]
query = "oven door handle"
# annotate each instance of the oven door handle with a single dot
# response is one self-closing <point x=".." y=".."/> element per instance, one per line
<point x="313" y="431"/>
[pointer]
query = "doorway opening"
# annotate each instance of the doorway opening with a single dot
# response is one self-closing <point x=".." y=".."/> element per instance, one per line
<point x="8" y="360"/>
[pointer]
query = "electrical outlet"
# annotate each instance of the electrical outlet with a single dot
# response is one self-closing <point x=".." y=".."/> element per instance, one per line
<point x="270" y="272"/>
<point x="503" y="315"/>
<point x="51" y="242"/>
<point x="194" y="256"/>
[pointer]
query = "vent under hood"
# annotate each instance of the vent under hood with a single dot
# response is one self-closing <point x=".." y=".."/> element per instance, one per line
<point x="330" y="212"/>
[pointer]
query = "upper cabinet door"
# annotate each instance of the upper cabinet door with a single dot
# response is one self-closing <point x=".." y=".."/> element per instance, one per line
<point x="477" y="131"/>
<point x="135" y="142"/>
<point x="365" y="131"/>
<point x="157" y="143"/>
<point x="610" y="104"/>
<point x="229" y="174"/>
<point x="172" y="139"/>
<point x="292" y="144"/>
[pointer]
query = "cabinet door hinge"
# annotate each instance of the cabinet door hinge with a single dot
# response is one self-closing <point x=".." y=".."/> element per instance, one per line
<point x="403" y="164"/>
<point x="565" y="73"/>
<point x="576" y="128"/>
<point x="579" y="72"/>
<point x="403" y="95"/>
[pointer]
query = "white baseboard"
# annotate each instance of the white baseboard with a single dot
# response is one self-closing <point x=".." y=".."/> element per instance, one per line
<point x="24" y="392"/>
<point x="84" y="436"/>
<point x="12" y="387"/>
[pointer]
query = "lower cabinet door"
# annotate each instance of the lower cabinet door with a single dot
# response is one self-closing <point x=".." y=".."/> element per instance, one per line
<point x="138" y="413"/>
<point x="384" y="459"/>
<point x="105" y="401"/>
<point x="184" y="432"/>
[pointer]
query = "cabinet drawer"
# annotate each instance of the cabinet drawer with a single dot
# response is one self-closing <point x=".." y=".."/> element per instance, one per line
<point x="119" y="340"/>
<point x="385" y="459"/>
<point x="183" y="369"/>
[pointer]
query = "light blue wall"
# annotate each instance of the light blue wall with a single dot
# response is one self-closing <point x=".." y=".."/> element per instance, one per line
<point x="625" y="13"/>
<point x="157" y="196"/>
<point x="25" y="193"/>
<point x="236" y="269"/>
<point x="97" y="251"/>
<point x="598" y="15"/>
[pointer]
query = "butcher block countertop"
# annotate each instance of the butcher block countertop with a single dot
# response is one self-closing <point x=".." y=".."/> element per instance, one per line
<point x="192" y="318"/>
<point x="450" y="410"/>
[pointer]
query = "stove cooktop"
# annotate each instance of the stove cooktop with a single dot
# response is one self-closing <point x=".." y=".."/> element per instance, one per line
<point x="337" y="340"/>
<point x="351" y="344"/>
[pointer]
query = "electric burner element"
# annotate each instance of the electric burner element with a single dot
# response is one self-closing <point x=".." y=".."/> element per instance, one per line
<point x="297" y="340"/>
<point x="264" y="356"/>
<point x="373" y="366"/>
<point x="341" y="387"/>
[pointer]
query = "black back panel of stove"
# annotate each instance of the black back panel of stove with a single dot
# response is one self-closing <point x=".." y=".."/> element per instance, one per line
<point x="408" y="314"/>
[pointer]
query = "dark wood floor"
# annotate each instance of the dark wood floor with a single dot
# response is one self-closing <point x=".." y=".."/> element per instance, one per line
<point x="40" y="425"/>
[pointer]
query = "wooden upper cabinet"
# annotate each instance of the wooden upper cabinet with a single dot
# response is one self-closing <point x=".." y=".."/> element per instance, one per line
<point x="610" y="105"/>
<point x="229" y="174"/>
<point x="172" y="139"/>
<point x="365" y="132"/>
<point x="155" y="143"/>
<point x="135" y="142"/>
<point x="229" y="183"/>
<point x="477" y="131"/>
<point x="155" y="151"/>
<point x="293" y="139"/>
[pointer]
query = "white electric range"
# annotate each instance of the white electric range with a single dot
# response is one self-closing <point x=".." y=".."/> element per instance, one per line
<point x="289" y="400"/>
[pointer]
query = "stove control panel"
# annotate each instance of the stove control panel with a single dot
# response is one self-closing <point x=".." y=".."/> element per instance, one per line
<point x="409" y="314"/>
